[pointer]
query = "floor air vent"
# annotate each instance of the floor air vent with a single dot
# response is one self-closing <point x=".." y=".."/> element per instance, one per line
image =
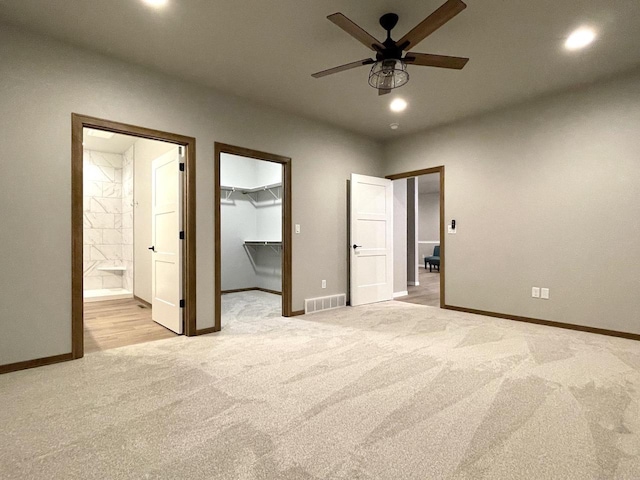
<point x="312" y="305"/>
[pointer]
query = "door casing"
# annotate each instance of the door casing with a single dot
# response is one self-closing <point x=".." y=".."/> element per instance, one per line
<point x="220" y="148"/>
<point x="426" y="171"/>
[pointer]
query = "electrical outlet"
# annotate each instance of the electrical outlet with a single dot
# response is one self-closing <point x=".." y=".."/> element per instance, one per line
<point x="535" y="292"/>
<point x="544" y="293"/>
<point x="297" y="228"/>
<point x="324" y="284"/>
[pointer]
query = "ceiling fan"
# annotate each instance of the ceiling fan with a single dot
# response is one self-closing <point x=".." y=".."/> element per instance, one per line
<point x="389" y="69"/>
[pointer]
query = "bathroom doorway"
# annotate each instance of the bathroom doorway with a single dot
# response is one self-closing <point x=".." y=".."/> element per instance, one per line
<point x="133" y="248"/>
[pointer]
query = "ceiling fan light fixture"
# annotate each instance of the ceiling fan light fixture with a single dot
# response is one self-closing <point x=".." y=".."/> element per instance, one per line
<point x="398" y="105"/>
<point x="388" y="74"/>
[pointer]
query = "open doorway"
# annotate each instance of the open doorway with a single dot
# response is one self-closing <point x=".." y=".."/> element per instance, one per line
<point x="133" y="255"/>
<point x="419" y="237"/>
<point x="253" y="234"/>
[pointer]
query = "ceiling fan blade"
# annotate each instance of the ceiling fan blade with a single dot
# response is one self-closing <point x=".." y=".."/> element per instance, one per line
<point x="383" y="91"/>
<point x="356" y="32"/>
<point x="441" y="61"/>
<point x="342" y="68"/>
<point x="430" y="24"/>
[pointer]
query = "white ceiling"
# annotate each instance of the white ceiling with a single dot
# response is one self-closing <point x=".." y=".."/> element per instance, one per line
<point x="266" y="50"/>
<point x="117" y="144"/>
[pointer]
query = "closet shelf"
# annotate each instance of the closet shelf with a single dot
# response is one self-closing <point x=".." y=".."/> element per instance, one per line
<point x="274" y="245"/>
<point x="112" y="269"/>
<point x="261" y="188"/>
<point x="248" y="191"/>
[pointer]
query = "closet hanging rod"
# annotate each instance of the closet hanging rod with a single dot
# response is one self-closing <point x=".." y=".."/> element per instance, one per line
<point x="262" y="188"/>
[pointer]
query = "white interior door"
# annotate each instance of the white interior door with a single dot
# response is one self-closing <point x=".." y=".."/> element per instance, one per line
<point x="371" y="244"/>
<point x="166" y="269"/>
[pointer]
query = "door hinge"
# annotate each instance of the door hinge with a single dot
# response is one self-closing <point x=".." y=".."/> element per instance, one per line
<point x="182" y="303"/>
<point x="182" y="167"/>
<point x="182" y="235"/>
<point x="181" y="150"/>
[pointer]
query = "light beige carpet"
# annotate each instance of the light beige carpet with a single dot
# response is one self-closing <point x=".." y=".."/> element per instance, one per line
<point x="387" y="391"/>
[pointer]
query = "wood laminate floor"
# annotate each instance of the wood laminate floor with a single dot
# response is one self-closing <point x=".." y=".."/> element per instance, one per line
<point x="428" y="292"/>
<point x="117" y="323"/>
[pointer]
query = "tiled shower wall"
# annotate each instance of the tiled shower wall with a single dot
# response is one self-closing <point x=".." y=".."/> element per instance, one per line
<point x="103" y="219"/>
<point x="127" y="218"/>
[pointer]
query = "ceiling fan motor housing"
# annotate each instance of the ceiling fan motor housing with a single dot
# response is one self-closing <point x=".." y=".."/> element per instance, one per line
<point x="388" y="21"/>
<point x="391" y="50"/>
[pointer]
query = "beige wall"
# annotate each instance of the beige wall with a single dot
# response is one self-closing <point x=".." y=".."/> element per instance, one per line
<point x="428" y="222"/>
<point x="43" y="82"/>
<point x="413" y="275"/>
<point x="400" y="236"/>
<point x="544" y="194"/>
<point x="145" y="152"/>
<point x="428" y="217"/>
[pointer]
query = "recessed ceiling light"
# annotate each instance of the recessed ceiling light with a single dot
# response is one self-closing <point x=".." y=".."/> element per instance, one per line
<point x="394" y="126"/>
<point x="580" y="38"/>
<point x="156" y="3"/>
<point x="398" y="105"/>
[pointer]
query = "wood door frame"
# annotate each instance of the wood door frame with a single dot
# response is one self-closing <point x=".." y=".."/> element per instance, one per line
<point x="78" y="123"/>
<point x="220" y="148"/>
<point x="428" y="171"/>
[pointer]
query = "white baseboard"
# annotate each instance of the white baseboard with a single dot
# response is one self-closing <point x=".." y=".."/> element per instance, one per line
<point x="413" y="284"/>
<point x="401" y="294"/>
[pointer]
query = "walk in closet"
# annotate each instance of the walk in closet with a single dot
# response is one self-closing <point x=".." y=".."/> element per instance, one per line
<point x="251" y="224"/>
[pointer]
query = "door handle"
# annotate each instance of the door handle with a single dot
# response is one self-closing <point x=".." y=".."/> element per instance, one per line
<point x="356" y="246"/>
<point x="153" y="248"/>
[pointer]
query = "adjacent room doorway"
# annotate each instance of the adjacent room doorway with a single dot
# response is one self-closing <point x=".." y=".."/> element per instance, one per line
<point x="419" y="233"/>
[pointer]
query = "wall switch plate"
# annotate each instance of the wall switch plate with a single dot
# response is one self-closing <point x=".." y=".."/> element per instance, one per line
<point x="451" y="230"/>
<point x="324" y="284"/>
<point x="297" y="228"/>
<point x="535" y="292"/>
<point x="544" y="293"/>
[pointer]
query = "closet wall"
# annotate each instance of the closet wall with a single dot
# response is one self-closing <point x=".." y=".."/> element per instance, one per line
<point x="250" y="217"/>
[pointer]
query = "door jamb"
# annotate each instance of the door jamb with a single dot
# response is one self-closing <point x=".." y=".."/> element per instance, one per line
<point x="78" y="122"/>
<point x="427" y="171"/>
<point x="286" y="226"/>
